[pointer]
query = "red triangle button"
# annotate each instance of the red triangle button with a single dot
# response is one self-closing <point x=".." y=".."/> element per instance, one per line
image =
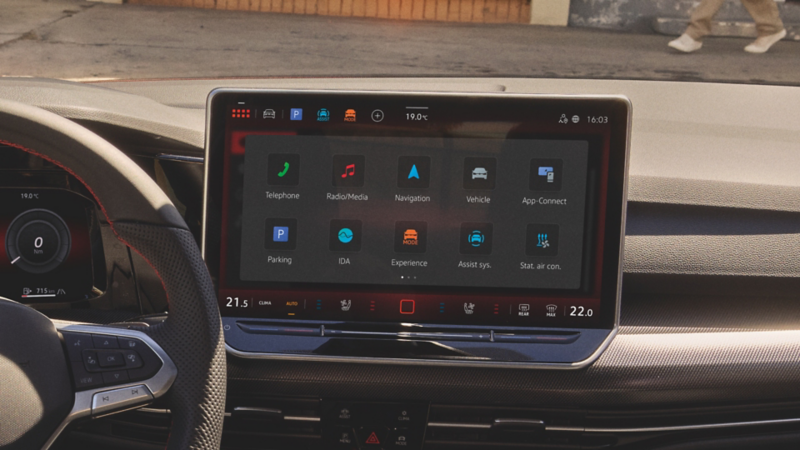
<point x="373" y="439"/>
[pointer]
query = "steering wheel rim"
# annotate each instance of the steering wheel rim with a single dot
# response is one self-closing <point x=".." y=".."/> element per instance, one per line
<point x="144" y="219"/>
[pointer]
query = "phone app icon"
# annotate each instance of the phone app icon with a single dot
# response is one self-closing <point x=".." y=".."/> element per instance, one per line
<point x="413" y="172"/>
<point x="542" y="240"/>
<point x="545" y="175"/>
<point x="480" y="173"/>
<point x="280" y="234"/>
<point x="283" y="169"/>
<point x="345" y="236"/>
<point x="410" y="237"/>
<point x="476" y="238"/>
<point x="348" y="170"/>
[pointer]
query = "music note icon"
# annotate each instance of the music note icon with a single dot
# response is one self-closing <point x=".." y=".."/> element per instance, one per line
<point x="348" y="170"/>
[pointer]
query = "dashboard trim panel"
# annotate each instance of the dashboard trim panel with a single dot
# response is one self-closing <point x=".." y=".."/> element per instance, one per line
<point x="429" y="362"/>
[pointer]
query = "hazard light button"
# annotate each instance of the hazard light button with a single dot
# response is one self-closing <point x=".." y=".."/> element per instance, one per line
<point x="372" y="437"/>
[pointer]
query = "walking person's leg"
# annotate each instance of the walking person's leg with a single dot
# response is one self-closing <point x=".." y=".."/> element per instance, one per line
<point x="699" y="26"/>
<point x="768" y="24"/>
<point x="700" y="20"/>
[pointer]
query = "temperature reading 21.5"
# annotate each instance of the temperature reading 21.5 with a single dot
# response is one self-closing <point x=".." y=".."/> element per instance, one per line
<point x="580" y="311"/>
<point x="234" y="302"/>
<point x="416" y="116"/>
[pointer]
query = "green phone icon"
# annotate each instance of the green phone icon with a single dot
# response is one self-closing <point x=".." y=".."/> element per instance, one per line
<point x="285" y="169"/>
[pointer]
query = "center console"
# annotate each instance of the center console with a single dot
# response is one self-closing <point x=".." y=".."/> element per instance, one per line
<point x="416" y="228"/>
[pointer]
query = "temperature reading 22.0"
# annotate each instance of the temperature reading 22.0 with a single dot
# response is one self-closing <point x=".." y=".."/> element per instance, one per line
<point x="580" y="311"/>
<point x="234" y="302"/>
<point x="416" y="116"/>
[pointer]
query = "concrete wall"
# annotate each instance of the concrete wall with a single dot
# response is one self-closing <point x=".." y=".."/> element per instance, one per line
<point x="637" y="15"/>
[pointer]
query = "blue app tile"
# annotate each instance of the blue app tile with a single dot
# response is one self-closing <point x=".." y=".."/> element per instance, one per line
<point x="280" y="234"/>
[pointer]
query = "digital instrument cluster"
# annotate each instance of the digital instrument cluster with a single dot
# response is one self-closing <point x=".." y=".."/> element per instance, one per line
<point x="45" y="250"/>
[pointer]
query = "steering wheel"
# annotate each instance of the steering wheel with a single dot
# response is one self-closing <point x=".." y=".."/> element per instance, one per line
<point x="47" y="370"/>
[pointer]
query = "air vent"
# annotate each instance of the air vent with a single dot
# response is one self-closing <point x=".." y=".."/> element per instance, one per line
<point x="252" y="422"/>
<point x="143" y="429"/>
<point x="459" y="427"/>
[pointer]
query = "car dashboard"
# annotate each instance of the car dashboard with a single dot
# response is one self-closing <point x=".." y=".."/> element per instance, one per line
<point x="705" y="355"/>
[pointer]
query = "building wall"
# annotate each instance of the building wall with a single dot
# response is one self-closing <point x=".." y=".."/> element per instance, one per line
<point x="485" y="11"/>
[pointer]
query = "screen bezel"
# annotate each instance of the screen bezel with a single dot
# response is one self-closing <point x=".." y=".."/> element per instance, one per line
<point x="617" y="107"/>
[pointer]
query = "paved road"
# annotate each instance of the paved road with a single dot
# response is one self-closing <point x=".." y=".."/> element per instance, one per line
<point x="74" y="39"/>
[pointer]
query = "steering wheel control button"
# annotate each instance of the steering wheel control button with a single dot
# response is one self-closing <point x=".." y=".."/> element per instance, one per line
<point x="104" y="342"/>
<point x="150" y="364"/>
<point x="132" y="359"/>
<point x="90" y="360"/>
<point x="110" y="359"/>
<point x="115" y="377"/>
<point x="83" y="379"/>
<point x="130" y="344"/>
<point x="76" y="343"/>
<point x="37" y="241"/>
<point x="108" y="401"/>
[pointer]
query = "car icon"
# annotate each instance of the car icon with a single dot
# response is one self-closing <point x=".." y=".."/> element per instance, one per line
<point x="410" y="237"/>
<point x="475" y="238"/>
<point x="269" y="113"/>
<point x="480" y="172"/>
<point x="350" y="115"/>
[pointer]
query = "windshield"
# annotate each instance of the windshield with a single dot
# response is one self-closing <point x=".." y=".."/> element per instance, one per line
<point x="709" y="40"/>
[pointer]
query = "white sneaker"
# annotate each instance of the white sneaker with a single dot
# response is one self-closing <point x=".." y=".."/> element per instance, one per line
<point x="686" y="44"/>
<point x="762" y="44"/>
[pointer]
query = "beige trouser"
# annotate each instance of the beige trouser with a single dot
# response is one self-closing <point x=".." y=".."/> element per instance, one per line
<point x="764" y="12"/>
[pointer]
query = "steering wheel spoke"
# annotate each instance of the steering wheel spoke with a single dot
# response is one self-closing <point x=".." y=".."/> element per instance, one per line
<point x="113" y="370"/>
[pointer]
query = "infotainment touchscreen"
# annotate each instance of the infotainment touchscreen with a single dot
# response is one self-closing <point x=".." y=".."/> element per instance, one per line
<point x="454" y="209"/>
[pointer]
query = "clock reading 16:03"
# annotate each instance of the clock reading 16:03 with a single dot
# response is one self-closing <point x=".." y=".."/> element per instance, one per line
<point x="597" y="119"/>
